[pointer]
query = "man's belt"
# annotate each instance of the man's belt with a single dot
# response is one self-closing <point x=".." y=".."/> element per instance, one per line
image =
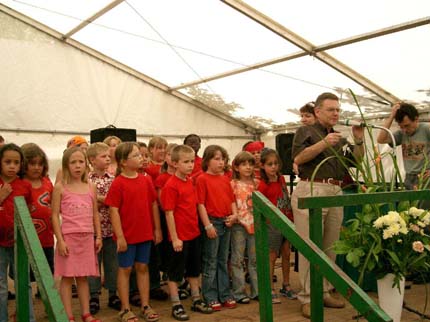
<point x="328" y="181"/>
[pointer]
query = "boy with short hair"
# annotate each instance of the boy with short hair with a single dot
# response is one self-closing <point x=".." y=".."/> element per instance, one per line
<point x="98" y="156"/>
<point x="179" y="201"/>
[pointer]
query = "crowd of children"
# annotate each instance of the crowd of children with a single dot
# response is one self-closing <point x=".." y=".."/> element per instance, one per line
<point x="133" y="210"/>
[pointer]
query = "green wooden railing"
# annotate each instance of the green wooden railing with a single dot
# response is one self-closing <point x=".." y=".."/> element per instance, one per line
<point x="320" y="265"/>
<point x="29" y="250"/>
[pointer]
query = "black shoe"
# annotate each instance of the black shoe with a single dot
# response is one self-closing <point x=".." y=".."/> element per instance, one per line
<point x="134" y="299"/>
<point x="94" y="305"/>
<point x="114" y="303"/>
<point x="202" y="307"/>
<point x="179" y="313"/>
<point x="183" y="294"/>
<point x="158" y="294"/>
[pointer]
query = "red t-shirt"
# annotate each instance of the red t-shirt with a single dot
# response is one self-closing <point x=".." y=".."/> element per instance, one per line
<point x="42" y="213"/>
<point x="197" y="165"/>
<point x="19" y="188"/>
<point x="277" y="193"/>
<point x="134" y="198"/>
<point x="215" y="193"/>
<point x="180" y="196"/>
<point x="153" y="170"/>
<point x="162" y="179"/>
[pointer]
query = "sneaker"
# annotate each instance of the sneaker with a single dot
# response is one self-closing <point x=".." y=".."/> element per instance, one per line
<point x="230" y="304"/>
<point x="215" y="305"/>
<point x="275" y="298"/>
<point x="94" y="305"/>
<point x="288" y="292"/>
<point x="179" y="313"/>
<point x="202" y="307"/>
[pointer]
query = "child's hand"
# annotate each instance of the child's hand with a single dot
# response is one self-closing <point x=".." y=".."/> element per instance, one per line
<point x="5" y="190"/>
<point x="98" y="244"/>
<point x="230" y="220"/>
<point x="121" y="244"/>
<point x="211" y="232"/>
<point x="177" y="245"/>
<point x="63" y="249"/>
<point x="158" y="236"/>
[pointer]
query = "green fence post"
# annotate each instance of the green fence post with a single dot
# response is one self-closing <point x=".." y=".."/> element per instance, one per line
<point x="316" y="278"/>
<point x="263" y="268"/>
<point x="28" y="245"/>
<point x="21" y="277"/>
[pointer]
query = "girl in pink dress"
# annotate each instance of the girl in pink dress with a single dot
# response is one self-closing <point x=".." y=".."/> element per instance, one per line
<point x="79" y="235"/>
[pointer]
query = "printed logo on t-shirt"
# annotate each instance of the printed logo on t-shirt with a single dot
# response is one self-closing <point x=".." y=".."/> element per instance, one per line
<point x="44" y="199"/>
<point x="413" y="150"/>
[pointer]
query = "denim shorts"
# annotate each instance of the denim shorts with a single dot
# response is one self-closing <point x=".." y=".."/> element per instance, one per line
<point x="139" y="252"/>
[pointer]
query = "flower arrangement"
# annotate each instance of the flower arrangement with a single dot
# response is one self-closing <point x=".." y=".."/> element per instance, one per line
<point x="395" y="242"/>
<point x="384" y="238"/>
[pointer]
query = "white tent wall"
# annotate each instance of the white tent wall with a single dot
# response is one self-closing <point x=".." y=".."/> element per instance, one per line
<point x="51" y="91"/>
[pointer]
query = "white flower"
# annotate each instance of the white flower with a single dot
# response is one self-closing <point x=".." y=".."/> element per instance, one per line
<point x="418" y="246"/>
<point x="415" y="212"/>
<point x="420" y="223"/>
<point x="391" y="231"/>
<point x="378" y="223"/>
<point x="426" y="219"/>
<point x="391" y="218"/>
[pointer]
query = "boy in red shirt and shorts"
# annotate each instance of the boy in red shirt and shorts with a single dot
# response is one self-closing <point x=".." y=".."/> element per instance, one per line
<point x="179" y="201"/>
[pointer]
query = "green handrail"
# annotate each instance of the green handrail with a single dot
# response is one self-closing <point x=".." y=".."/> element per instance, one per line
<point x="29" y="250"/>
<point x="321" y="265"/>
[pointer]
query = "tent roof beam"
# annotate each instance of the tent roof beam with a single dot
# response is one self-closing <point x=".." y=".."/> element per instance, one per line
<point x="95" y="16"/>
<point x="308" y="47"/>
<point x="327" y="46"/>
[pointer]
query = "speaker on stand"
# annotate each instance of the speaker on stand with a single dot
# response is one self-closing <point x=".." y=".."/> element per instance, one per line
<point x="126" y="135"/>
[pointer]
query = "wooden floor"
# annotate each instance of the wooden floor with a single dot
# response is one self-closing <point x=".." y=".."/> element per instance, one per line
<point x="288" y="310"/>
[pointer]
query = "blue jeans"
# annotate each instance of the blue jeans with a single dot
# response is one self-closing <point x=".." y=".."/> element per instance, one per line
<point x="215" y="280"/>
<point x="241" y="241"/>
<point x="6" y="260"/>
<point x="108" y="255"/>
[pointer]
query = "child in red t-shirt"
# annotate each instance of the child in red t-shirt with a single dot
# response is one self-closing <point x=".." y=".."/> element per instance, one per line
<point x="157" y="151"/>
<point x="217" y="210"/>
<point x="35" y="172"/>
<point x="179" y="202"/>
<point x="194" y="141"/>
<point x="273" y="186"/>
<point x="135" y="220"/>
<point x="11" y="186"/>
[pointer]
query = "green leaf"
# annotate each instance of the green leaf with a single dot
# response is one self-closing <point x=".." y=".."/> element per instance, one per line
<point x="403" y="206"/>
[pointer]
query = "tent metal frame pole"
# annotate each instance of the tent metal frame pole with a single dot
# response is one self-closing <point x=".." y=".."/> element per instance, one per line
<point x="95" y="16"/>
<point x="307" y="46"/>
<point x="327" y="46"/>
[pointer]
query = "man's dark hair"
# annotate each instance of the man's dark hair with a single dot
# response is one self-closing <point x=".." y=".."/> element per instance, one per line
<point x="408" y="110"/>
<point x="325" y="96"/>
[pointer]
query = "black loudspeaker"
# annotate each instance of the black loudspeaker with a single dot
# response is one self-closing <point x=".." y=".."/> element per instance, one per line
<point x="284" y="146"/>
<point x="98" y="135"/>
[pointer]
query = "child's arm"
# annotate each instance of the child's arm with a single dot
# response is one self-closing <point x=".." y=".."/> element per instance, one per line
<point x="158" y="236"/>
<point x="115" y="219"/>
<point x="210" y="229"/>
<point x="96" y="221"/>
<point x="5" y="191"/>
<point x="230" y="220"/>
<point x="176" y="242"/>
<point x="63" y="250"/>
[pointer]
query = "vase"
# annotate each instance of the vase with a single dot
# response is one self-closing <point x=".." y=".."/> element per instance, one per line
<point x="390" y="298"/>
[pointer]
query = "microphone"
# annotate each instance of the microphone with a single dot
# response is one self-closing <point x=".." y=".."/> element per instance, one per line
<point x="348" y="122"/>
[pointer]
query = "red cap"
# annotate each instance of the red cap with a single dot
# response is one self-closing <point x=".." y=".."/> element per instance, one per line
<point x="254" y="146"/>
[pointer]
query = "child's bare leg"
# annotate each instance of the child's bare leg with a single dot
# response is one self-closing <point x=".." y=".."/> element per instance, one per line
<point x="83" y="294"/>
<point x="66" y="294"/>
<point x="123" y="286"/>
<point x="194" y="285"/>
<point x="142" y="278"/>
<point x="272" y="259"/>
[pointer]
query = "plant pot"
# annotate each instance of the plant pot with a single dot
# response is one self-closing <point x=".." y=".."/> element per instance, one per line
<point x="390" y="298"/>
